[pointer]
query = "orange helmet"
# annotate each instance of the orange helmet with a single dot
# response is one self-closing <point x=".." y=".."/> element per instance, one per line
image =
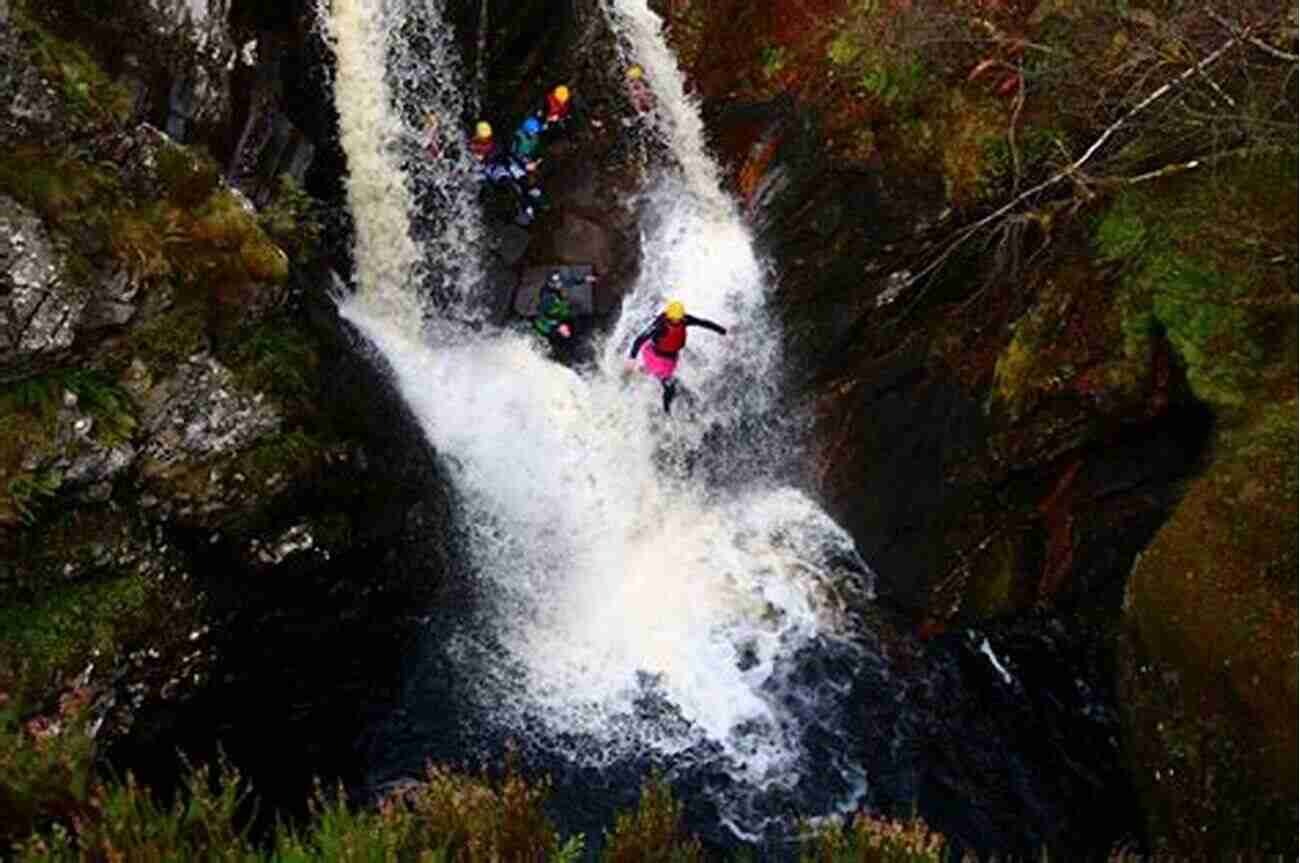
<point x="561" y="93"/>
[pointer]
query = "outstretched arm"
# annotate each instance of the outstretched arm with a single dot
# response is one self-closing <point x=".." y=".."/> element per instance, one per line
<point x="645" y="334"/>
<point x="692" y="321"/>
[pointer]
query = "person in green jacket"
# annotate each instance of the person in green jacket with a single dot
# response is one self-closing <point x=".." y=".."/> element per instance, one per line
<point x="555" y="318"/>
<point x="527" y="142"/>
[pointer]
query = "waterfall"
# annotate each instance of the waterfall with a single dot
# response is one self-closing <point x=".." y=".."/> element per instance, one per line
<point x="649" y="589"/>
<point x="411" y="187"/>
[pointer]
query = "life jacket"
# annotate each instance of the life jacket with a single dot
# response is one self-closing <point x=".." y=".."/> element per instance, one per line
<point x="555" y="109"/>
<point x="483" y="148"/>
<point x="671" y="340"/>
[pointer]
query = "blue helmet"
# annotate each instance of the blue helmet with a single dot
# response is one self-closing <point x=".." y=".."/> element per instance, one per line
<point x="532" y="126"/>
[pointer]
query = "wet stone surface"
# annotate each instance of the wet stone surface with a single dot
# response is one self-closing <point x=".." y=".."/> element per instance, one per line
<point x="39" y="308"/>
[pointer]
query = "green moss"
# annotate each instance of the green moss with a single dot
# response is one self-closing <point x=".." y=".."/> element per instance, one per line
<point x="90" y="97"/>
<point x="27" y="415"/>
<point x="866" y="50"/>
<point x="292" y="219"/>
<point x="264" y="261"/>
<point x="277" y="357"/>
<point x="1198" y="282"/>
<point x="773" y="59"/>
<point x="285" y="454"/>
<point x="188" y="176"/>
<point x="59" y="633"/>
<point x="65" y="190"/>
<point x="164" y="342"/>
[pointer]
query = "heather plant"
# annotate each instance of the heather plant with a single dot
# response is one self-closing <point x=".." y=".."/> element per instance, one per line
<point x="45" y="761"/>
<point x="653" y="832"/>
<point x="868" y="839"/>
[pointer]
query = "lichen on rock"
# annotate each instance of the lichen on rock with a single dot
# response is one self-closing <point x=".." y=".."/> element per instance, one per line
<point x="199" y="412"/>
<point x="40" y="307"/>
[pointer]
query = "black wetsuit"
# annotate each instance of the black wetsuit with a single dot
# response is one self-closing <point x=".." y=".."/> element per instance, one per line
<point x="660" y="331"/>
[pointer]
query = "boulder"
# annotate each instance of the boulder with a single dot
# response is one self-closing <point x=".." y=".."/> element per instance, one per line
<point x="578" y="239"/>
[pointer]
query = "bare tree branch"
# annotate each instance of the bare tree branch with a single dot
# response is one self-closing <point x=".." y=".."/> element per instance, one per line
<point x="1074" y="167"/>
<point x="1253" y="40"/>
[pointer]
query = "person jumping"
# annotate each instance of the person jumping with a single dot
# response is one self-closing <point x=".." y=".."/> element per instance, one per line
<point x="660" y="343"/>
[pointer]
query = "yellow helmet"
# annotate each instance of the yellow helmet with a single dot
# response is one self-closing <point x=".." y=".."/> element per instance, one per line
<point x="561" y="93"/>
<point x="675" y="311"/>
<point x="483" y="130"/>
<point x="634" y="72"/>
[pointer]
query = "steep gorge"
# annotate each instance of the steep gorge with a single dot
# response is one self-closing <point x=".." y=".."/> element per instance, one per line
<point x="999" y="448"/>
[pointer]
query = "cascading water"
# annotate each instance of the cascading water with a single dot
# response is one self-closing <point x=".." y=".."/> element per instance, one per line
<point x="411" y="187"/>
<point x="649" y="592"/>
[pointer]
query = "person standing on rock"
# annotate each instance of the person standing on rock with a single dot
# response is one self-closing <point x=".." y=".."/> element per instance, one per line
<point x="558" y="105"/>
<point x="527" y="143"/>
<point x="483" y="145"/>
<point x="638" y="93"/>
<point x="555" y="319"/>
<point x="660" y="343"/>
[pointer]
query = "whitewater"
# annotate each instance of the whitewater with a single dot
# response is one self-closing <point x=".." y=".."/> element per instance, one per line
<point x="649" y="589"/>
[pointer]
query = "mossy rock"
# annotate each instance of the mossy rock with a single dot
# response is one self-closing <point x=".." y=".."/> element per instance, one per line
<point x="1194" y="272"/>
<point x="86" y="587"/>
<point x="90" y="99"/>
<point x="1209" y="676"/>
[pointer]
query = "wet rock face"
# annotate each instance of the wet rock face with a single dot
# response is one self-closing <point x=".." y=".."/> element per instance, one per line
<point x="191" y="447"/>
<point x="199" y="413"/>
<point x="39" y="306"/>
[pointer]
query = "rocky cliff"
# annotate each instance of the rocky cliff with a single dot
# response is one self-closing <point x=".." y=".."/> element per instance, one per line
<point x="1041" y="329"/>
<point x="198" y="472"/>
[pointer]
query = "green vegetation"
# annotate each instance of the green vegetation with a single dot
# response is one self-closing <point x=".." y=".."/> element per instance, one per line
<point x="91" y="99"/>
<point x="774" y="59"/>
<point x="449" y="816"/>
<point x="1202" y="284"/>
<point x="51" y="639"/>
<point x="64" y="189"/>
<point x="28" y="409"/>
<point x="653" y="832"/>
<point x="291" y="219"/>
<point x="29" y="492"/>
<point x="868" y="50"/>
<point x="876" y="840"/>
<point x="276" y="356"/>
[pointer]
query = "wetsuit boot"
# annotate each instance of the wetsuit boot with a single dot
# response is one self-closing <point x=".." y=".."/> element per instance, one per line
<point x="670" y="392"/>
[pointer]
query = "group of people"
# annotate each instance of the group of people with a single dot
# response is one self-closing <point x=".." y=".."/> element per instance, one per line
<point x="659" y="344"/>
<point x="515" y="167"/>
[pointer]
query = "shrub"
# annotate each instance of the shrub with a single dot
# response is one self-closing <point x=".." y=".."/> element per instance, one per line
<point x="653" y="832"/>
<point x="868" y="839"/>
<point x="45" y="762"/>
